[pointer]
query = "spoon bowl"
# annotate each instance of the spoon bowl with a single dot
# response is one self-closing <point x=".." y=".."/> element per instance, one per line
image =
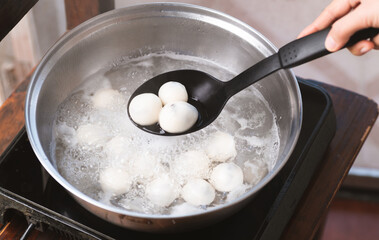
<point x="206" y="93"/>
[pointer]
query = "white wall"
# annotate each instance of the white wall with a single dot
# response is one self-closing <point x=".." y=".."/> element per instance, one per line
<point x="50" y="23"/>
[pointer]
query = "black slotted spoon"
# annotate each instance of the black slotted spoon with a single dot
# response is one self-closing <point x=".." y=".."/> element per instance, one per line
<point x="209" y="95"/>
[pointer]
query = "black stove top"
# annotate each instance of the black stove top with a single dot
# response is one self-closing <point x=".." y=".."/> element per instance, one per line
<point x="24" y="188"/>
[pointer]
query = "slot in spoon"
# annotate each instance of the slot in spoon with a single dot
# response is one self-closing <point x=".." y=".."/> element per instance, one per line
<point x="209" y="95"/>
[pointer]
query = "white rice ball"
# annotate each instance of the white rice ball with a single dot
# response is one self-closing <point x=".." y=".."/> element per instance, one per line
<point x="226" y="177"/>
<point x="115" y="180"/>
<point x="221" y="147"/>
<point x="107" y="98"/>
<point x="254" y="171"/>
<point x="117" y="147"/>
<point x="145" y="165"/>
<point x="191" y="164"/>
<point x="237" y="192"/>
<point x="93" y="135"/>
<point x="172" y="92"/>
<point x="185" y="209"/>
<point x="162" y="191"/>
<point x="178" y="117"/>
<point x="198" y="192"/>
<point x="144" y="109"/>
<point x="119" y="151"/>
<point x="66" y="134"/>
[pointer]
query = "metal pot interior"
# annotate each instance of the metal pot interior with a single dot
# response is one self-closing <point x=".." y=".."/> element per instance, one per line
<point x="152" y="28"/>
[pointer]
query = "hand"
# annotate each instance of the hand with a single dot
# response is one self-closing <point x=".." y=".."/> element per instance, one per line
<point x="347" y="17"/>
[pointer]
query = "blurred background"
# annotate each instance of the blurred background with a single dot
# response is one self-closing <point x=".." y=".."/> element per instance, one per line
<point x="279" y="20"/>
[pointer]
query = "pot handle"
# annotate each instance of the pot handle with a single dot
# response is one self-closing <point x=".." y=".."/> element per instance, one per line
<point x="313" y="46"/>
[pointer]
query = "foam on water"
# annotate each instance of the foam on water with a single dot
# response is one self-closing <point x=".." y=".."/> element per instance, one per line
<point x="247" y="117"/>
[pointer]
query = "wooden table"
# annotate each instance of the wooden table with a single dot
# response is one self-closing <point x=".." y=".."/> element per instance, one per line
<point x="355" y="115"/>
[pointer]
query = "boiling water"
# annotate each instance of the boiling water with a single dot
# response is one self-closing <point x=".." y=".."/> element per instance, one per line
<point x="247" y="117"/>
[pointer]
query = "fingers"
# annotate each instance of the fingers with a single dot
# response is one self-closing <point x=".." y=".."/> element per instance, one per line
<point x="345" y="27"/>
<point x="361" y="47"/>
<point x="346" y="18"/>
<point x="308" y="30"/>
<point x="334" y="11"/>
<point x="331" y="13"/>
<point x="365" y="46"/>
<point x="375" y="40"/>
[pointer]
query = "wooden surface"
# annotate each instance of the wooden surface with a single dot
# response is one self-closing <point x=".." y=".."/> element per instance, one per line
<point x="352" y="219"/>
<point x="11" y="12"/>
<point x="355" y="116"/>
<point x="78" y="11"/>
<point x="12" y="115"/>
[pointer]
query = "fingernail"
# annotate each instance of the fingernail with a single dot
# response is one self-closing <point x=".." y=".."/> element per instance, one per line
<point x="364" y="50"/>
<point x="330" y="44"/>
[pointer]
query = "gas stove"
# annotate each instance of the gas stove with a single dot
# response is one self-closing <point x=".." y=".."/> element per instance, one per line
<point x="28" y="192"/>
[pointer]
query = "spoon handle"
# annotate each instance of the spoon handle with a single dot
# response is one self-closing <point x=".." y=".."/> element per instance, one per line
<point x="290" y="55"/>
<point x="313" y="46"/>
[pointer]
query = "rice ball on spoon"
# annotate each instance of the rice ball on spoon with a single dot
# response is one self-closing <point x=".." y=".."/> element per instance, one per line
<point x="172" y="92"/>
<point x="177" y="117"/>
<point x="144" y="109"/>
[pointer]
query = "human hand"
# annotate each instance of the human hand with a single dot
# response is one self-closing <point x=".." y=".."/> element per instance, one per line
<point x="347" y="17"/>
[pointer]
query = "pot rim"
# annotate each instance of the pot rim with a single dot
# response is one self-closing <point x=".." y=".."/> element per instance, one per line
<point x="31" y="102"/>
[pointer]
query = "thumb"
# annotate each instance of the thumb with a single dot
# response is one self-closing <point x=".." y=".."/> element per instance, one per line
<point x="345" y="27"/>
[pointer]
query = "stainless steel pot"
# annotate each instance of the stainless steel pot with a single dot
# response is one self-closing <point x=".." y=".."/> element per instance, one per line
<point x="143" y="29"/>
